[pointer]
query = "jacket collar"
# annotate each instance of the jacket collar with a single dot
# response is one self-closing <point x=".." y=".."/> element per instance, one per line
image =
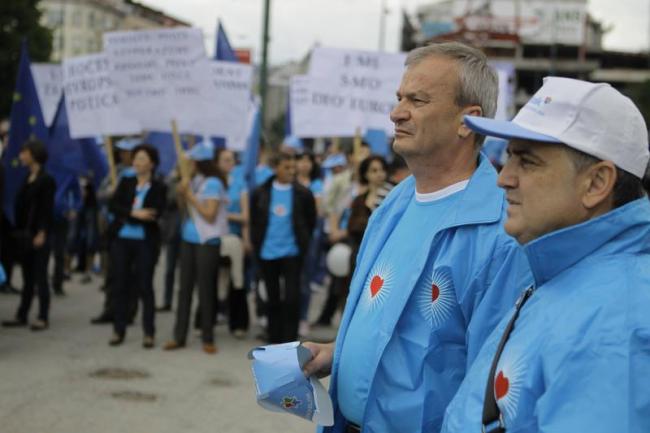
<point x="625" y="229"/>
<point x="481" y="201"/>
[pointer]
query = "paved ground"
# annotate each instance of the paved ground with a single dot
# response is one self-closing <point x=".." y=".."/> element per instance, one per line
<point x="67" y="379"/>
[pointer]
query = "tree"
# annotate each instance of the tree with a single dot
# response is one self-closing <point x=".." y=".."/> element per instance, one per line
<point x="19" y="19"/>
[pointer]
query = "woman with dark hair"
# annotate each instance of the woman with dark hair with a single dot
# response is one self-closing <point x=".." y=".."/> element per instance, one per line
<point x="206" y="200"/>
<point x="138" y="203"/>
<point x="372" y="174"/>
<point x="34" y="211"/>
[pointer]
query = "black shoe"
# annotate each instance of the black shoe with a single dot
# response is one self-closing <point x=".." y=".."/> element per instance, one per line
<point x="102" y="319"/>
<point x="164" y="309"/>
<point x="116" y="340"/>
<point x="14" y="323"/>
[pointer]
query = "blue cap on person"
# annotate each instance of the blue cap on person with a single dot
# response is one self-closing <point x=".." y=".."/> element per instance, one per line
<point x="203" y="151"/>
<point x="127" y="144"/>
<point x="336" y="160"/>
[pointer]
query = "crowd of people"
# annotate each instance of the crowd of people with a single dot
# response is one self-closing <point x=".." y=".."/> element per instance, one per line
<point x="218" y="239"/>
<point x="475" y="300"/>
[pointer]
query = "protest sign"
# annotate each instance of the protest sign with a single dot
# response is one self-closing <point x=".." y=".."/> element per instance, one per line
<point x="162" y="75"/>
<point x="92" y="103"/>
<point x="48" y="79"/>
<point x="346" y="90"/>
<point x="233" y="85"/>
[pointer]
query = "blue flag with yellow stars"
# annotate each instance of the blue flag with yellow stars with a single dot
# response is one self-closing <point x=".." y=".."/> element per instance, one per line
<point x="26" y="121"/>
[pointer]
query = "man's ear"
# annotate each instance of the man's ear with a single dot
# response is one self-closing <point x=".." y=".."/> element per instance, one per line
<point x="472" y="110"/>
<point x="599" y="181"/>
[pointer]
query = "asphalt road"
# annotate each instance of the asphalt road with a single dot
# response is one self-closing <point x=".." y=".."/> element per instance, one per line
<point x="67" y="379"/>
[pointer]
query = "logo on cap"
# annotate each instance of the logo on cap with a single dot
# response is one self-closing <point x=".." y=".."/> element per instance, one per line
<point x="290" y="402"/>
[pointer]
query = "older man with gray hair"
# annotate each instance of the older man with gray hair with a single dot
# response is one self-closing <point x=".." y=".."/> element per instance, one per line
<point x="435" y="270"/>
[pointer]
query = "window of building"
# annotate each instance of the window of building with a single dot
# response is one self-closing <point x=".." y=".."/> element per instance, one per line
<point x="55" y="17"/>
<point x="76" y="18"/>
<point x="91" y="19"/>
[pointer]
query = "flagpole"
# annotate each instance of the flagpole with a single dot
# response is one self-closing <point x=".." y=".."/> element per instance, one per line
<point x="265" y="55"/>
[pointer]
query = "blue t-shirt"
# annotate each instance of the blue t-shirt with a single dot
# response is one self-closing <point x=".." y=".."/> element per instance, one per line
<point x="280" y="240"/>
<point x="208" y="188"/>
<point x="135" y="231"/>
<point x="236" y="185"/>
<point x="391" y="273"/>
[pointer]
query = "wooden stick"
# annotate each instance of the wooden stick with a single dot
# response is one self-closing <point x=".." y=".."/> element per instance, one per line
<point x="180" y="156"/>
<point x="108" y="142"/>
<point x="356" y="143"/>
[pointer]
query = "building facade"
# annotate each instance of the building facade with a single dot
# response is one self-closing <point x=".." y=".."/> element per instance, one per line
<point x="78" y="25"/>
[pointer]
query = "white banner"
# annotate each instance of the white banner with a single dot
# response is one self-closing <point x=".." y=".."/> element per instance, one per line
<point x="162" y="75"/>
<point x="48" y="79"/>
<point x="347" y="89"/>
<point x="506" y="98"/>
<point x="233" y="85"/>
<point x="91" y="100"/>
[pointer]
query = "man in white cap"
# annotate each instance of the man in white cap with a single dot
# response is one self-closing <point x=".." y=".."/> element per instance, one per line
<point x="574" y="354"/>
<point x="435" y="271"/>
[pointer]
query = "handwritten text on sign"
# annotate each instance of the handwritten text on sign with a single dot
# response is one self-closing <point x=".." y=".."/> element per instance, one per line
<point x="350" y="89"/>
<point x="163" y="75"/>
<point x="91" y="100"/>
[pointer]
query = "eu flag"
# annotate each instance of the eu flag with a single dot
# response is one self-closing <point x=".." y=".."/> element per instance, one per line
<point x="249" y="160"/>
<point x="80" y="157"/>
<point x="26" y="121"/>
<point x="223" y="50"/>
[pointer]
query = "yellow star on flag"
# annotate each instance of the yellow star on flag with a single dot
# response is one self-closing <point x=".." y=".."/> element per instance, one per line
<point x="32" y="120"/>
<point x="15" y="163"/>
<point x="17" y="96"/>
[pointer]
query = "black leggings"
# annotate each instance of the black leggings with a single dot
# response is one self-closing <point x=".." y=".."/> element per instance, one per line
<point x="200" y="267"/>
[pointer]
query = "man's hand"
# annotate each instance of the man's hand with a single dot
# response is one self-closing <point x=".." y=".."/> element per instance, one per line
<point x="321" y="363"/>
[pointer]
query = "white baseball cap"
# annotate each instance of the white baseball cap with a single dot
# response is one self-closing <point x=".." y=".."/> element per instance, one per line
<point x="593" y="118"/>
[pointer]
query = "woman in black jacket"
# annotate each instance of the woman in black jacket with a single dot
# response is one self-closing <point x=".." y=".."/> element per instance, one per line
<point x="137" y="204"/>
<point x="34" y="210"/>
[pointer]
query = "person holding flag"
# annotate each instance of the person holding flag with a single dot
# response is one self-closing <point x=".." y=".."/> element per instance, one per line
<point x="573" y="355"/>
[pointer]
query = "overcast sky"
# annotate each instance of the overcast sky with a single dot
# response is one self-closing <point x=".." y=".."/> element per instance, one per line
<point x="296" y="25"/>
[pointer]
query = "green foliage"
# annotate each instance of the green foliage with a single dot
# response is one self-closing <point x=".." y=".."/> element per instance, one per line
<point x="19" y="19"/>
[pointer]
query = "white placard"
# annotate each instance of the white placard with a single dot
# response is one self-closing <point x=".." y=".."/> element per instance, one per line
<point x="164" y="74"/>
<point x="348" y="89"/>
<point x="233" y="86"/>
<point x="48" y="78"/>
<point x="91" y="100"/>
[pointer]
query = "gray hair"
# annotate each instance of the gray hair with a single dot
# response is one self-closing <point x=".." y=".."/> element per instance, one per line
<point x="478" y="82"/>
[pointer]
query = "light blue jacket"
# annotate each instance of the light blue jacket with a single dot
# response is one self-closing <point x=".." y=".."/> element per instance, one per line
<point x="578" y="359"/>
<point x="488" y="270"/>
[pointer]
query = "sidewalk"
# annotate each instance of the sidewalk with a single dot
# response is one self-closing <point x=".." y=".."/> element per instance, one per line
<point x="68" y="380"/>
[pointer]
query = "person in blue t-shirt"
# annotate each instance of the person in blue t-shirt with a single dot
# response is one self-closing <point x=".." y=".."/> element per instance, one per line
<point x="435" y="270"/>
<point x="283" y="216"/>
<point x="137" y="205"/>
<point x="205" y="199"/>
